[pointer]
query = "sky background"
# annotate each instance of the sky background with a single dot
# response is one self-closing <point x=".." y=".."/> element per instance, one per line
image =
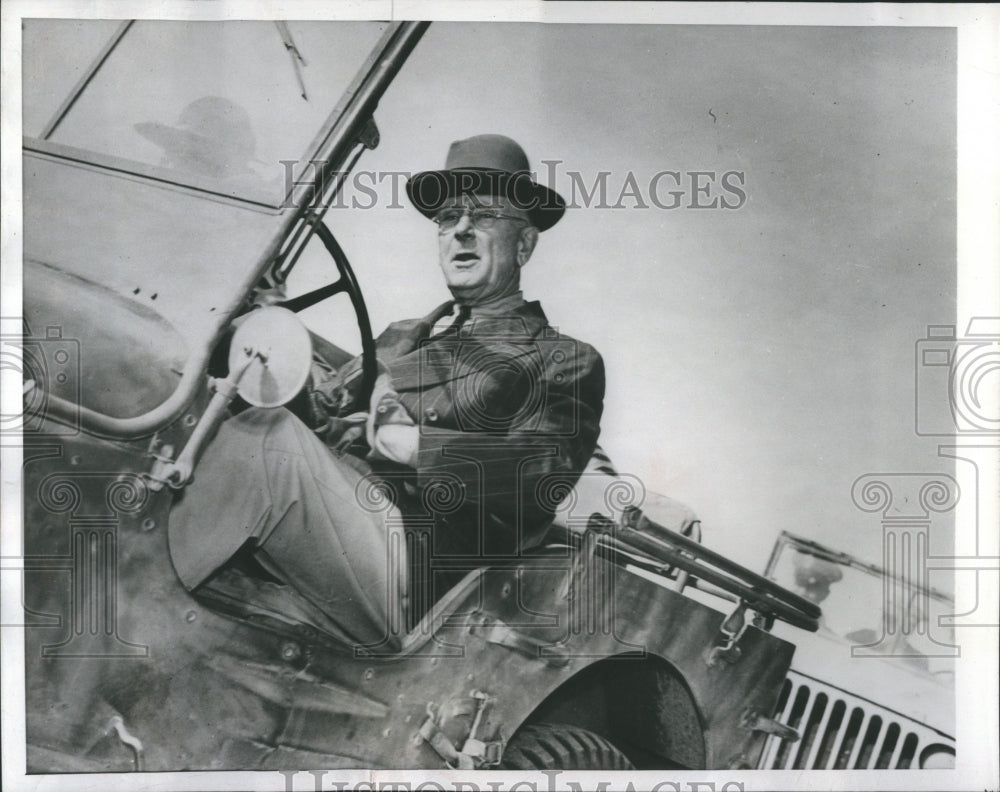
<point x="760" y="359"/>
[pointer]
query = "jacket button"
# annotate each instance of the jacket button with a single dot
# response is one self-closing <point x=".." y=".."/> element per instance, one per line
<point x="431" y="414"/>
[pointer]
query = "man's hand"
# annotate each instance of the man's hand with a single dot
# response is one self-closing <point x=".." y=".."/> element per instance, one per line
<point x="391" y="432"/>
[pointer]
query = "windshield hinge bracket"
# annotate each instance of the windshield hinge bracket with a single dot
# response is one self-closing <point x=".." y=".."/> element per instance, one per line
<point x="368" y="134"/>
<point x="731" y="631"/>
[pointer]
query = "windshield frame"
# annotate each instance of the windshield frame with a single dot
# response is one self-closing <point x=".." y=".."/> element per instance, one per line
<point x="892" y="612"/>
<point x="809" y="547"/>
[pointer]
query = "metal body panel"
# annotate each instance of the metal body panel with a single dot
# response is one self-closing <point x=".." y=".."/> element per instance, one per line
<point x="201" y="690"/>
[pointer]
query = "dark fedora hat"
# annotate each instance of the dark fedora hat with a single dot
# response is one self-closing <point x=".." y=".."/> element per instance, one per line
<point x="486" y="166"/>
<point x="213" y="135"/>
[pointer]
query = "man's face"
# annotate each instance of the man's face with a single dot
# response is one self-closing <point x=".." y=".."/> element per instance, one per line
<point x="481" y="265"/>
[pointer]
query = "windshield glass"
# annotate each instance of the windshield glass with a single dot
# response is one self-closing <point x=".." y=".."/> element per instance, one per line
<point x="216" y="105"/>
<point x="864" y="607"/>
<point x="51" y="69"/>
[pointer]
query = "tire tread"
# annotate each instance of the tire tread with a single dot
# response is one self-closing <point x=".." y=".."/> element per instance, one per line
<point x="557" y="746"/>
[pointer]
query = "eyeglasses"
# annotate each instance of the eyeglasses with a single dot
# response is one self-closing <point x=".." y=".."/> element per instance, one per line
<point x="481" y="219"/>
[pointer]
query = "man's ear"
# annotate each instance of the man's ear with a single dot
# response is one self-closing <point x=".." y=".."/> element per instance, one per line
<point x="526" y="244"/>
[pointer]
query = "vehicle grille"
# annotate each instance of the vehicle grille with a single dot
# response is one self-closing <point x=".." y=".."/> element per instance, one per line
<point x="840" y="731"/>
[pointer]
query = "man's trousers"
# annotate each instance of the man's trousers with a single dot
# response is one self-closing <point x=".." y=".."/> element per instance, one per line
<point x="311" y="519"/>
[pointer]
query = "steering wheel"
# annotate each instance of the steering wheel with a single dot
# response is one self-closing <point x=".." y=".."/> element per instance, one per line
<point x="348" y="284"/>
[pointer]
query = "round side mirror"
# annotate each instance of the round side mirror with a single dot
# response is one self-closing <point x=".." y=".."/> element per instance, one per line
<point x="281" y="350"/>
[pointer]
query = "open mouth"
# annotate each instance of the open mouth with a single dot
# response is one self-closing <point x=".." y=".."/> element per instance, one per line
<point x="465" y="257"/>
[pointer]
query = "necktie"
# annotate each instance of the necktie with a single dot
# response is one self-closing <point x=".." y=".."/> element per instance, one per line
<point x="452" y="329"/>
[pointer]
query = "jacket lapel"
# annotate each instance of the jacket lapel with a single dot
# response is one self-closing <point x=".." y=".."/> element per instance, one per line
<point x="401" y="338"/>
<point x="418" y="364"/>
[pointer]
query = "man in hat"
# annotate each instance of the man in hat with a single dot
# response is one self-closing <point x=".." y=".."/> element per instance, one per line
<point x="213" y="137"/>
<point x="814" y="576"/>
<point x="483" y="415"/>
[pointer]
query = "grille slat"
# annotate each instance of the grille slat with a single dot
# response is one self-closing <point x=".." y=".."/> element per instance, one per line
<point x="804" y="728"/>
<point x="853" y="725"/>
<point x="830" y="734"/>
<point x="838" y="742"/>
<point x="818" y="738"/>
<point x="858" y="739"/>
<point x="861" y="755"/>
<point x="773" y="746"/>
<point x="909" y="748"/>
<point x="798" y="701"/>
<point x="894" y="759"/>
<point x="882" y="735"/>
<point x="841" y="731"/>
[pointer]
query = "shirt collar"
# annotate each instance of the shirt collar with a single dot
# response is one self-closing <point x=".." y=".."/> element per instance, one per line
<point x="499" y="306"/>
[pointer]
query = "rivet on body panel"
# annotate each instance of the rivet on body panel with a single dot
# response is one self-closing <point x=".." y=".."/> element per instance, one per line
<point x="290" y="651"/>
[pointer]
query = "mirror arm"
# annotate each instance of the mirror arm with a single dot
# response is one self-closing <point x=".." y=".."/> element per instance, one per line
<point x="178" y="474"/>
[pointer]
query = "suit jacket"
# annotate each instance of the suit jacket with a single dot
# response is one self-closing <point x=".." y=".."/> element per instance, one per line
<point x="509" y="413"/>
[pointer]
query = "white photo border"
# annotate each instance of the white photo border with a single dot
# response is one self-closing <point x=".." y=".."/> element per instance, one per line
<point x="978" y="290"/>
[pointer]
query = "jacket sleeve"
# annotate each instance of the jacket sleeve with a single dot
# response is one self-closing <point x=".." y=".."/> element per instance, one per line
<point x="516" y="478"/>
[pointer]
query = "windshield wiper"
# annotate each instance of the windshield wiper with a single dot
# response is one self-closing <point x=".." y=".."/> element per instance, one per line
<point x="297" y="60"/>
